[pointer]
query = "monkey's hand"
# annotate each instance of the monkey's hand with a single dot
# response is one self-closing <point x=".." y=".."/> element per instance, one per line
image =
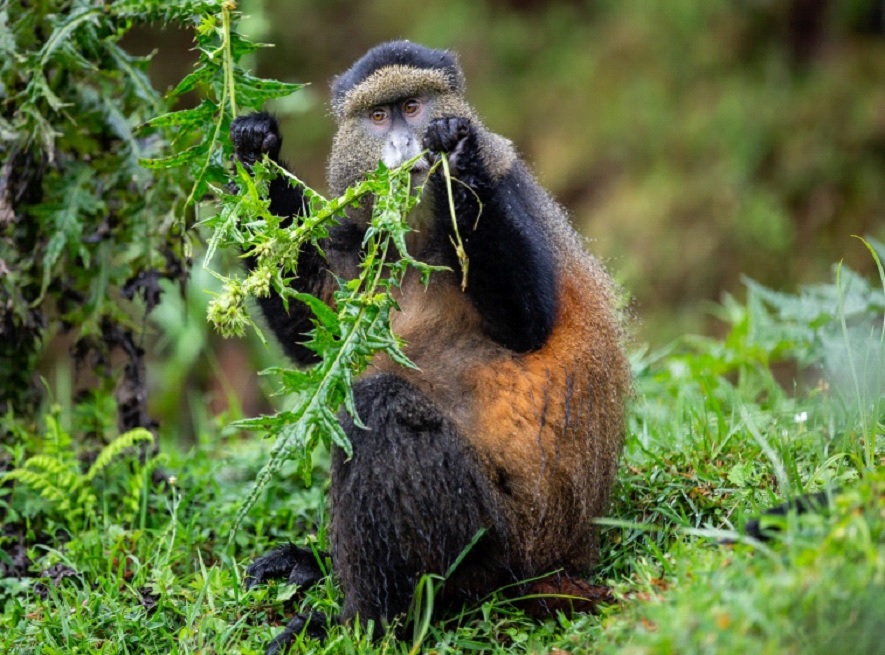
<point x="254" y="136"/>
<point x="454" y="136"/>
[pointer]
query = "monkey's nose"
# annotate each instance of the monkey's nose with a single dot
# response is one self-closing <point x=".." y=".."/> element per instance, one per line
<point x="421" y="166"/>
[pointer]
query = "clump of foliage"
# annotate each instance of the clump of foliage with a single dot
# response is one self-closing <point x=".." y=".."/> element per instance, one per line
<point x="818" y="588"/>
<point x="92" y="217"/>
<point x="791" y="400"/>
<point x="84" y="229"/>
<point x="67" y="494"/>
<point x="227" y="89"/>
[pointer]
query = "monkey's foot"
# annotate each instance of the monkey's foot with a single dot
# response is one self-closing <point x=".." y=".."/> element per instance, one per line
<point x="313" y="625"/>
<point x="298" y="565"/>
<point x="562" y="593"/>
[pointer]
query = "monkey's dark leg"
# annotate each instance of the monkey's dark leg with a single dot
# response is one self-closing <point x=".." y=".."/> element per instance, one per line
<point x="512" y="272"/>
<point x="298" y="565"/>
<point x="408" y="502"/>
<point x="254" y="136"/>
<point x="806" y="503"/>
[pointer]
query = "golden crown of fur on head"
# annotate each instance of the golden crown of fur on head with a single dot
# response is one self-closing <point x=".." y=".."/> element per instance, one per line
<point x="389" y="67"/>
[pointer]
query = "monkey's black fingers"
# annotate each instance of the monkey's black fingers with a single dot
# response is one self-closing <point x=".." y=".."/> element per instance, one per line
<point x="298" y="565"/>
<point x="254" y="136"/>
<point x="447" y="135"/>
<point x="312" y="624"/>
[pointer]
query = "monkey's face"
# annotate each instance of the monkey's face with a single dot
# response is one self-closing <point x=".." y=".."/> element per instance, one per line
<point x="399" y="128"/>
<point x="384" y="118"/>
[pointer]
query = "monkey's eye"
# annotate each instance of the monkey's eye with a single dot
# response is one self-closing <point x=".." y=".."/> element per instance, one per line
<point x="411" y="107"/>
<point x="379" y="115"/>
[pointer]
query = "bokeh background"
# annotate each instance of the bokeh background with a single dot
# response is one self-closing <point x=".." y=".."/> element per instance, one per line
<point x="694" y="142"/>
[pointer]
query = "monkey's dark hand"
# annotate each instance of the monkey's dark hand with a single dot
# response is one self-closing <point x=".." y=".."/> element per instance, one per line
<point x="454" y="136"/>
<point x="254" y="136"/>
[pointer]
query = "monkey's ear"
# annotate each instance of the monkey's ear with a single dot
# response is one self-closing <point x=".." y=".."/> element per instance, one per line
<point x="254" y="136"/>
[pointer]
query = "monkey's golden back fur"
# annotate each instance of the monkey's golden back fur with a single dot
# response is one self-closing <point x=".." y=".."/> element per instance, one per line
<point x="546" y="425"/>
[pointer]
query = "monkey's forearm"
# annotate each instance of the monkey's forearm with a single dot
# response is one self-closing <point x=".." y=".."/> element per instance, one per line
<point x="253" y="137"/>
<point x="290" y="325"/>
<point x="285" y="200"/>
<point x="313" y="277"/>
<point x="511" y="270"/>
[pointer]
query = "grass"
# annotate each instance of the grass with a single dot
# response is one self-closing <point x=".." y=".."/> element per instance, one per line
<point x="717" y="432"/>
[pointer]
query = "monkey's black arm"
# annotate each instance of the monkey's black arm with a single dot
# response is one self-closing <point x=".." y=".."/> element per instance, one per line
<point x="512" y="274"/>
<point x="511" y="268"/>
<point x="253" y="136"/>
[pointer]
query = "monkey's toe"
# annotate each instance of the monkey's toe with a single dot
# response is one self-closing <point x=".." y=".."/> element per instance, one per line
<point x="312" y="624"/>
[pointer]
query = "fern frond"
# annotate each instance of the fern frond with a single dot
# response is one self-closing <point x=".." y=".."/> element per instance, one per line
<point x="58" y="491"/>
<point x="57" y="442"/>
<point x="51" y="465"/>
<point x="115" y="448"/>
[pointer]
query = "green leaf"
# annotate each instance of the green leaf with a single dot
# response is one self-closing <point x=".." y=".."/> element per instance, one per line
<point x="189" y="155"/>
<point x="741" y="474"/>
<point x="135" y="68"/>
<point x="193" y="118"/>
<point x="72" y="201"/>
<point x="323" y="313"/>
<point x="259" y="90"/>
<point x="202" y="75"/>
<point x="116" y="448"/>
<point x="63" y="29"/>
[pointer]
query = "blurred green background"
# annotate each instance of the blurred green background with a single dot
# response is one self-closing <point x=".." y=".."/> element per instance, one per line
<point x="694" y="142"/>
